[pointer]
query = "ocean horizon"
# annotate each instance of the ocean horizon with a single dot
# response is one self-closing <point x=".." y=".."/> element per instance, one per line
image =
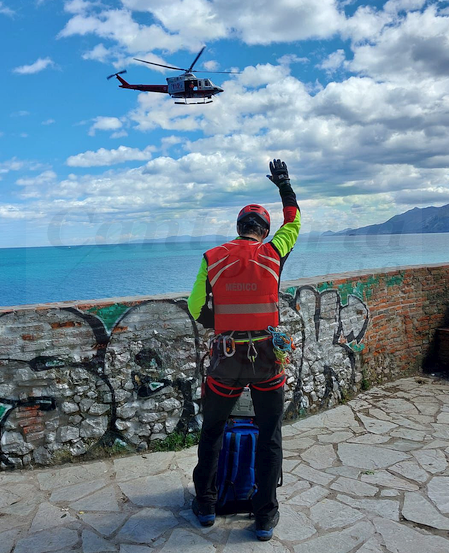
<point x="87" y="272"/>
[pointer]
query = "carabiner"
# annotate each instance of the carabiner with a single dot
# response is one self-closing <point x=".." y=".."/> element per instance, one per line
<point x="251" y="346"/>
<point x="228" y="346"/>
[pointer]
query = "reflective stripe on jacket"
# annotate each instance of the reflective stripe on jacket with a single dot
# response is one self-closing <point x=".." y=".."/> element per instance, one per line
<point x="244" y="277"/>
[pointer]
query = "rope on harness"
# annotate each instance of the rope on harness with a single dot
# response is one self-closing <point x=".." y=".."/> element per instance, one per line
<point x="282" y="345"/>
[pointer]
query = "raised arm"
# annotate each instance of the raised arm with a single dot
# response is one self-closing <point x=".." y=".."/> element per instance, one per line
<point x="285" y="238"/>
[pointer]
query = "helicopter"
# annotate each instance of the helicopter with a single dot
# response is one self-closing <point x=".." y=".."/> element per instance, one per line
<point x="186" y="86"/>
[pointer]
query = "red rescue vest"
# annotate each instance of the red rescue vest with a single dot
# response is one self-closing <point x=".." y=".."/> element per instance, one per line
<point x="244" y="277"/>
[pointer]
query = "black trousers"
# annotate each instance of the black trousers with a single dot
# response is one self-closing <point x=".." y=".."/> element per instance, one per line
<point x="234" y="372"/>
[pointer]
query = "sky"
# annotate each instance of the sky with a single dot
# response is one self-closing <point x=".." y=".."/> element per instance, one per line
<point x="353" y="95"/>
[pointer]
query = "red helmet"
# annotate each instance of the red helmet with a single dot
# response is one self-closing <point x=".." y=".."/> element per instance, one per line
<point x="257" y="211"/>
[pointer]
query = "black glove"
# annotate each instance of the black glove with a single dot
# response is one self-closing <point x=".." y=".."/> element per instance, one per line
<point x="279" y="173"/>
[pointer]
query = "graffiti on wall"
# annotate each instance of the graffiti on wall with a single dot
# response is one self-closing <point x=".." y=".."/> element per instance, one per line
<point x="74" y="382"/>
<point x="114" y="385"/>
<point x="329" y="331"/>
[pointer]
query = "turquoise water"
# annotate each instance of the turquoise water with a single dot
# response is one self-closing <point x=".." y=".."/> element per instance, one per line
<point x="36" y="275"/>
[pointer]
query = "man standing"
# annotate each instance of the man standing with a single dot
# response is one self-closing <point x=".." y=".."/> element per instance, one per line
<point x="241" y="281"/>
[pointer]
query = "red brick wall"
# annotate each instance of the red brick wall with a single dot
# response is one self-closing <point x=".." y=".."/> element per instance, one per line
<point x="406" y="307"/>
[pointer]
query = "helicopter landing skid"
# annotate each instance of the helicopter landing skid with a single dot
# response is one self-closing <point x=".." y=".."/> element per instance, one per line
<point x="186" y="103"/>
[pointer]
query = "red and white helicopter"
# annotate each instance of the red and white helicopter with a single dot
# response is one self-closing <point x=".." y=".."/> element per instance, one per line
<point x="186" y="86"/>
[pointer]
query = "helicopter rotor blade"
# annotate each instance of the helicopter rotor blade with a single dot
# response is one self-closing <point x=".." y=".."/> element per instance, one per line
<point x="225" y="72"/>
<point x="196" y="59"/>
<point x="115" y="74"/>
<point x="161" y="65"/>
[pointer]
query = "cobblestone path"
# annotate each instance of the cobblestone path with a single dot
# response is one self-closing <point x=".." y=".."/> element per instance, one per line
<point x="370" y="476"/>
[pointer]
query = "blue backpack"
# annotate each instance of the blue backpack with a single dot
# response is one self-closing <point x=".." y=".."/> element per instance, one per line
<point x="236" y="477"/>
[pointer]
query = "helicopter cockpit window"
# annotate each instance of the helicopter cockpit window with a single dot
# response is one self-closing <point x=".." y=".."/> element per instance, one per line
<point x="207" y="82"/>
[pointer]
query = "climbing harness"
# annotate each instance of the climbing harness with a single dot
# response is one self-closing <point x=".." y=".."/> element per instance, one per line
<point x="226" y="346"/>
<point x="227" y="343"/>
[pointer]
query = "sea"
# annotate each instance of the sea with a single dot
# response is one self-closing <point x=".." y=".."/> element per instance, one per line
<point x="69" y="273"/>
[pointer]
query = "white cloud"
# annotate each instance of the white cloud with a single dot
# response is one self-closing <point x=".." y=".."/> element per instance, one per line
<point x="168" y="141"/>
<point x="288" y="22"/>
<point x="32" y="187"/>
<point x="105" y="124"/>
<point x="5" y="10"/>
<point x="211" y="65"/>
<point x="193" y="19"/>
<point x="333" y="62"/>
<point x="11" y="211"/>
<point x="110" y="157"/>
<point x="365" y="24"/>
<point x="35" y="187"/>
<point x="157" y="110"/>
<point x="43" y="178"/>
<point x="99" y="53"/>
<point x="119" y="134"/>
<point x="416" y="48"/>
<point x="189" y="24"/>
<point x="260" y="75"/>
<point x="79" y="6"/>
<point x="396" y="6"/>
<point x="119" y="26"/>
<point x="254" y="21"/>
<point x="288" y="59"/>
<point x="39" y="65"/>
<point x="425" y="196"/>
<point x="21" y="113"/>
<point x="13" y="164"/>
<point x="48" y="122"/>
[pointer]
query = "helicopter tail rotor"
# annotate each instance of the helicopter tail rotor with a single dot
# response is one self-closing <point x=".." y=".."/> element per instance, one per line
<point x="115" y="74"/>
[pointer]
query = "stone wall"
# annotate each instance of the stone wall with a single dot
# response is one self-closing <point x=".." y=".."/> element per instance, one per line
<point x="79" y="380"/>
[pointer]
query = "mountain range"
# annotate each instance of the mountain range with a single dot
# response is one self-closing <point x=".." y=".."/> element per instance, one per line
<point x="415" y="221"/>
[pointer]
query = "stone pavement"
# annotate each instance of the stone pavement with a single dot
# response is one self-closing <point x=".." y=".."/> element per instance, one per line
<point x="370" y="476"/>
